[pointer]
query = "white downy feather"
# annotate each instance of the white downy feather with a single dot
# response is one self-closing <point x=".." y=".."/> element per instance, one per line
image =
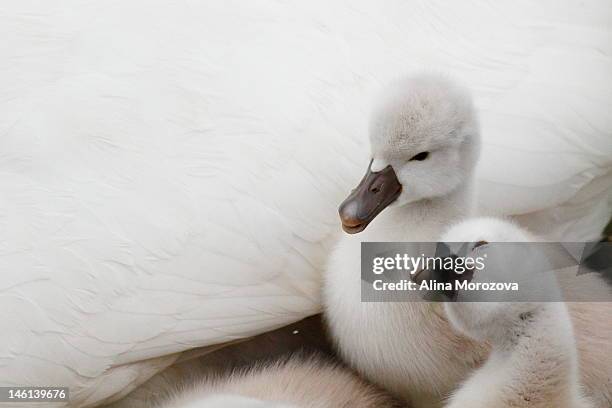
<point x="170" y="171"/>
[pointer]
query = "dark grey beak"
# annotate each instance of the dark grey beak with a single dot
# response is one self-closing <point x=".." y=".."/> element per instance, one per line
<point x="443" y="275"/>
<point x="375" y="192"/>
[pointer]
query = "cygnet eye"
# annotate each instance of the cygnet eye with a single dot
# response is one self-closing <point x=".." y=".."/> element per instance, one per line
<point x="420" y="157"/>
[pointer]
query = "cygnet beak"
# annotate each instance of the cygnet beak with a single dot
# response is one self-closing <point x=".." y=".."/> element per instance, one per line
<point x="444" y="275"/>
<point x="373" y="194"/>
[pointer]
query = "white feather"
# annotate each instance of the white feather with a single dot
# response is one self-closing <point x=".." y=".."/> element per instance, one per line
<point x="170" y="171"/>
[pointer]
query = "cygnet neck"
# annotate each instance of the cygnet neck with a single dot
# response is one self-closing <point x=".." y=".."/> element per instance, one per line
<point x="423" y="220"/>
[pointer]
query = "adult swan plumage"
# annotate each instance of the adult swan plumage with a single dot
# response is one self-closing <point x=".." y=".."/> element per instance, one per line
<point x="170" y="171"/>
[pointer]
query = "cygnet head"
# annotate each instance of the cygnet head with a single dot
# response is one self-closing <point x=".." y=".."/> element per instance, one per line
<point x="424" y="142"/>
<point x="508" y="258"/>
<point x="487" y="229"/>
